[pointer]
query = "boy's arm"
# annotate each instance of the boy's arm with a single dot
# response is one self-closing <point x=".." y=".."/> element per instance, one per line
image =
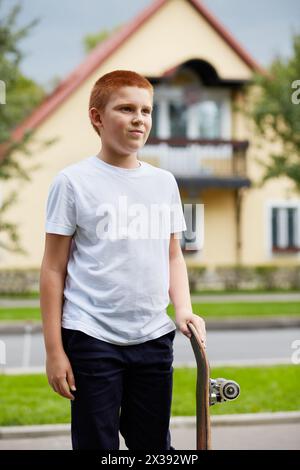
<point x="179" y="291"/>
<point x="52" y="281"/>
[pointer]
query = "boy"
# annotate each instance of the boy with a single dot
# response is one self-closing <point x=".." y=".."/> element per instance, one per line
<point x="105" y="280"/>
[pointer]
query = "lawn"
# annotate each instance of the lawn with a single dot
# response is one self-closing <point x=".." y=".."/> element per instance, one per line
<point x="28" y="399"/>
<point x="20" y="313"/>
<point x="243" y="309"/>
<point x="207" y="310"/>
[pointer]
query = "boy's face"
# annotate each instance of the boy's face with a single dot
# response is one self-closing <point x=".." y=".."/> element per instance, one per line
<point x="128" y="109"/>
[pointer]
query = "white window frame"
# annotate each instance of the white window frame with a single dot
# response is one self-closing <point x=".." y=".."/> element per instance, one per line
<point x="280" y="204"/>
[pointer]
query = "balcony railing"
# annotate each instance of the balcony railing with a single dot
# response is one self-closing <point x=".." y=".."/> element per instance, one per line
<point x="197" y="157"/>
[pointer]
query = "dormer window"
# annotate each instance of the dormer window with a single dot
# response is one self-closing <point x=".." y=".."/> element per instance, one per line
<point x="206" y="116"/>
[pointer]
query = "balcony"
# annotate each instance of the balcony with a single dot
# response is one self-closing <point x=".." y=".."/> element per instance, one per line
<point x="200" y="162"/>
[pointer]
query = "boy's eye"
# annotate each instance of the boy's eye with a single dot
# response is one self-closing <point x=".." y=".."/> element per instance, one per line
<point x="127" y="108"/>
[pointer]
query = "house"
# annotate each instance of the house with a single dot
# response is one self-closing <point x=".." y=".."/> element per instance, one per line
<point x="199" y="133"/>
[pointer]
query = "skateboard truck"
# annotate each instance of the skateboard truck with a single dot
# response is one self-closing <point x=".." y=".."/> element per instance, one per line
<point x="222" y="390"/>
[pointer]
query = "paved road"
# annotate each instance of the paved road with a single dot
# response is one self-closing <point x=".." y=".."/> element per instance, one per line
<point x="269" y="436"/>
<point x="222" y="346"/>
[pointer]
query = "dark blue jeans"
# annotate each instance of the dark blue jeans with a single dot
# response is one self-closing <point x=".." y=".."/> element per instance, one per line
<point x="120" y="388"/>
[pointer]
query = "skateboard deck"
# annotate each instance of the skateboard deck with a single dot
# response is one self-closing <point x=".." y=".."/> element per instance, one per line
<point x="202" y="392"/>
<point x="208" y="391"/>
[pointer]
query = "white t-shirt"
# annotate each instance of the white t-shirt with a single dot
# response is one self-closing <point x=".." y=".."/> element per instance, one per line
<point x="117" y="280"/>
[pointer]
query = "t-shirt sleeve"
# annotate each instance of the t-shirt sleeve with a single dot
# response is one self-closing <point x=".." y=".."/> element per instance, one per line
<point x="177" y="217"/>
<point x="61" y="209"/>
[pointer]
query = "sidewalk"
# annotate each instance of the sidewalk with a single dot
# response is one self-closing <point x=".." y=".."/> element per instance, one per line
<point x="229" y="432"/>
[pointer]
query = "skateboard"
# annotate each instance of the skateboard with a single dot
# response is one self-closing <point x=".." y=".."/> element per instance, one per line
<point x="208" y="391"/>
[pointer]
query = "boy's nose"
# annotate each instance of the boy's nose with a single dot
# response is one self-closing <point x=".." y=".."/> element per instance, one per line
<point x="138" y="119"/>
<point x="137" y="122"/>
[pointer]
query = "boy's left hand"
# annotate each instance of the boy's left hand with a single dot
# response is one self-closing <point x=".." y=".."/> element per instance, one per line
<point x="182" y="320"/>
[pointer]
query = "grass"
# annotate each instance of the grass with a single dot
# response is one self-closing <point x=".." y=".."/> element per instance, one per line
<point x="242" y="309"/>
<point x="19" y="295"/>
<point x="28" y="399"/>
<point x="207" y="310"/>
<point x="20" y="313"/>
<point x="263" y="389"/>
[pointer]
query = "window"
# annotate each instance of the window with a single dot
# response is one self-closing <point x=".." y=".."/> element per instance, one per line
<point x="178" y="119"/>
<point x="285" y="229"/>
<point x="153" y="132"/>
<point x="206" y="116"/>
<point x="209" y="119"/>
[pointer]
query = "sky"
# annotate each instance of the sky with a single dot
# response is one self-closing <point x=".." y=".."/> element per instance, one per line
<point x="54" y="46"/>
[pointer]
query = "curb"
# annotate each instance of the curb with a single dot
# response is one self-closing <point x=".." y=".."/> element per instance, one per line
<point x="36" y="430"/>
<point x="47" y="430"/>
<point x="212" y="324"/>
<point x="248" y="419"/>
<point x="20" y="327"/>
<point x="244" y="419"/>
<point x="176" y="364"/>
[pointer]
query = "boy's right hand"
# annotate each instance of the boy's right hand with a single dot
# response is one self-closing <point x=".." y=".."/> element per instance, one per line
<point x="60" y="374"/>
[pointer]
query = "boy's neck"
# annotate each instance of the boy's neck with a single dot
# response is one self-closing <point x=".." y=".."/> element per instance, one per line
<point x="128" y="163"/>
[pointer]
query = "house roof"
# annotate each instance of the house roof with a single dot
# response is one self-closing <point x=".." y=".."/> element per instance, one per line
<point x="106" y="48"/>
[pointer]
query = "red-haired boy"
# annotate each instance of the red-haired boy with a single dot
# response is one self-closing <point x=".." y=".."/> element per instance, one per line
<point x="111" y="260"/>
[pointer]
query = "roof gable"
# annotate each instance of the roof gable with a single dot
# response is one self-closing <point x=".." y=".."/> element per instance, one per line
<point x="108" y="47"/>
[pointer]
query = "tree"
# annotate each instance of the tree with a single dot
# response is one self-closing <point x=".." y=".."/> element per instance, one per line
<point x="275" y="111"/>
<point x="90" y="41"/>
<point x="22" y="95"/>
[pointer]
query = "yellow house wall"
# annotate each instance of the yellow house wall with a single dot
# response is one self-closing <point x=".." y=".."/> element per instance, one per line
<point x="219" y="228"/>
<point x="220" y="235"/>
<point x="177" y="33"/>
<point x="255" y="228"/>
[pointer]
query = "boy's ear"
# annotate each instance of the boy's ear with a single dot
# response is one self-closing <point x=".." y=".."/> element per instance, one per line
<point x="95" y="117"/>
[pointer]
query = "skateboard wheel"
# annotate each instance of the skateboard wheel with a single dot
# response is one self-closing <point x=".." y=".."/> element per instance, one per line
<point x="229" y="390"/>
